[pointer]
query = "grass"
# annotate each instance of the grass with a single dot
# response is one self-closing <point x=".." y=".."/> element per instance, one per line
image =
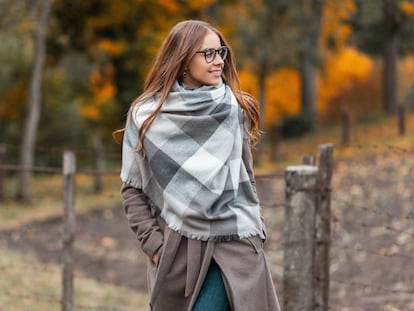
<point x="26" y="285"/>
<point x="366" y="138"/>
<point x="47" y="199"/>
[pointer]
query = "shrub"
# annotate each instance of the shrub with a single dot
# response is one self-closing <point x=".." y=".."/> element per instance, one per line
<point x="296" y="125"/>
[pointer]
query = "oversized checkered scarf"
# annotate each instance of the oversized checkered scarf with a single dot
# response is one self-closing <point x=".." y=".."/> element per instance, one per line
<point x="193" y="170"/>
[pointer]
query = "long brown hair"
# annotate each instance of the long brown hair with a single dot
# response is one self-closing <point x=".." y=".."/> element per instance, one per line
<point x="176" y="52"/>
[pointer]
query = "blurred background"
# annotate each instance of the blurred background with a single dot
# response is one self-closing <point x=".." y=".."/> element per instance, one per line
<point x="70" y="69"/>
<point x="337" y="71"/>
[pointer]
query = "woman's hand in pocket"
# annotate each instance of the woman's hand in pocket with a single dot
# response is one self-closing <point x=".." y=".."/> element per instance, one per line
<point x="155" y="258"/>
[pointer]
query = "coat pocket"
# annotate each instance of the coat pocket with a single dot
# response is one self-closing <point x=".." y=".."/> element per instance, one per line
<point x="256" y="242"/>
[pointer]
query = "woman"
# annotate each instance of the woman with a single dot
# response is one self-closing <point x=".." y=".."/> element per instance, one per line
<point x="188" y="185"/>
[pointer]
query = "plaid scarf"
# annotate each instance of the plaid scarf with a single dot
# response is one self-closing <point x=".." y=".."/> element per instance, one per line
<point x="193" y="170"/>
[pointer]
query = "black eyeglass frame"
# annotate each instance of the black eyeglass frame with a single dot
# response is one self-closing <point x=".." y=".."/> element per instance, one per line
<point x="216" y="51"/>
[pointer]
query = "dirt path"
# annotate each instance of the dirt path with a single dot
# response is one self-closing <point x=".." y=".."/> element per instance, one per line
<point x="104" y="248"/>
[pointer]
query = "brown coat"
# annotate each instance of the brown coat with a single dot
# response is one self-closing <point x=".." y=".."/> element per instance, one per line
<point x="175" y="282"/>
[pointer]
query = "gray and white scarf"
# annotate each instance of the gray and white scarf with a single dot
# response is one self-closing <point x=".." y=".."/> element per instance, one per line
<point x="193" y="170"/>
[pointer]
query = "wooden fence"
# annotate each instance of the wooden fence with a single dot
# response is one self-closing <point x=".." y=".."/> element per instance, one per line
<point x="306" y="233"/>
<point x="306" y="242"/>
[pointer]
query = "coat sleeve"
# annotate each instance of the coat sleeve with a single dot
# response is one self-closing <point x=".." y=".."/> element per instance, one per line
<point x="248" y="161"/>
<point x="247" y="158"/>
<point x="141" y="220"/>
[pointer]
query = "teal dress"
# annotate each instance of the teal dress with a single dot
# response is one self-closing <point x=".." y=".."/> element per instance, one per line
<point x="212" y="295"/>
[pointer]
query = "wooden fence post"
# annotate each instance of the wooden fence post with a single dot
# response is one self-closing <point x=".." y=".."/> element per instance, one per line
<point x="69" y="170"/>
<point x="308" y="159"/>
<point x="323" y="227"/>
<point x="2" y="171"/>
<point x="276" y="137"/>
<point x="345" y="117"/>
<point x="298" y="262"/>
<point x="98" y="152"/>
<point x="401" y="120"/>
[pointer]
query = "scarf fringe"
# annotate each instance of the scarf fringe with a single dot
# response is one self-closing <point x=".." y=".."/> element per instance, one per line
<point x="215" y="238"/>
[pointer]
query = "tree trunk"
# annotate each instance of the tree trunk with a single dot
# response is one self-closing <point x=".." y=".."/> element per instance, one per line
<point x="211" y="11"/>
<point x="34" y="101"/>
<point x="260" y="152"/>
<point x="99" y="163"/>
<point x="393" y="25"/>
<point x="308" y="88"/>
<point x="309" y="56"/>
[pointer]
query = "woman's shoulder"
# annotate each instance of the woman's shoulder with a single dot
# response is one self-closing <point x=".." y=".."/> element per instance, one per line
<point x="142" y="109"/>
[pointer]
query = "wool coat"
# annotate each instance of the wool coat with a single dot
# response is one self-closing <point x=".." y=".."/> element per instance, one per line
<point x="175" y="281"/>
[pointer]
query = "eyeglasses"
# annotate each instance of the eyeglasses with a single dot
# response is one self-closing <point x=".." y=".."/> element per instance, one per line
<point x="210" y="54"/>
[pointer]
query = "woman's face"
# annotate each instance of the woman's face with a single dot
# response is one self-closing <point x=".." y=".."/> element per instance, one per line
<point x="199" y="72"/>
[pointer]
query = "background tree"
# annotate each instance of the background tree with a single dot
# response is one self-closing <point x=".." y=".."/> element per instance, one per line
<point x="16" y="54"/>
<point x="309" y="55"/>
<point x="117" y="42"/>
<point x="377" y="30"/>
<point x="39" y="11"/>
<point x="393" y="19"/>
<point x="292" y="55"/>
<point x="260" y="33"/>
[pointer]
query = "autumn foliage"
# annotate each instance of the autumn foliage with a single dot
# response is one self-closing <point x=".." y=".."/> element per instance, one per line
<point x="348" y="79"/>
<point x="116" y="43"/>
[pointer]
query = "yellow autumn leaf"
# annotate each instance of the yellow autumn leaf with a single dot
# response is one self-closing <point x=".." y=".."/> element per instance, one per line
<point x="340" y="72"/>
<point x="102" y="85"/>
<point x="248" y="81"/>
<point x="111" y="47"/>
<point x="282" y="95"/>
<point x="91" y="112"/>
<point x="407" y="7"/>
<point x="333" y="27"/>
<point x="405" y="75"/>
<point x="105" y="93"/>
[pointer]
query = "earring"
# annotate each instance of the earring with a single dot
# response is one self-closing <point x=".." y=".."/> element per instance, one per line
<point x="184" y="74"/>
